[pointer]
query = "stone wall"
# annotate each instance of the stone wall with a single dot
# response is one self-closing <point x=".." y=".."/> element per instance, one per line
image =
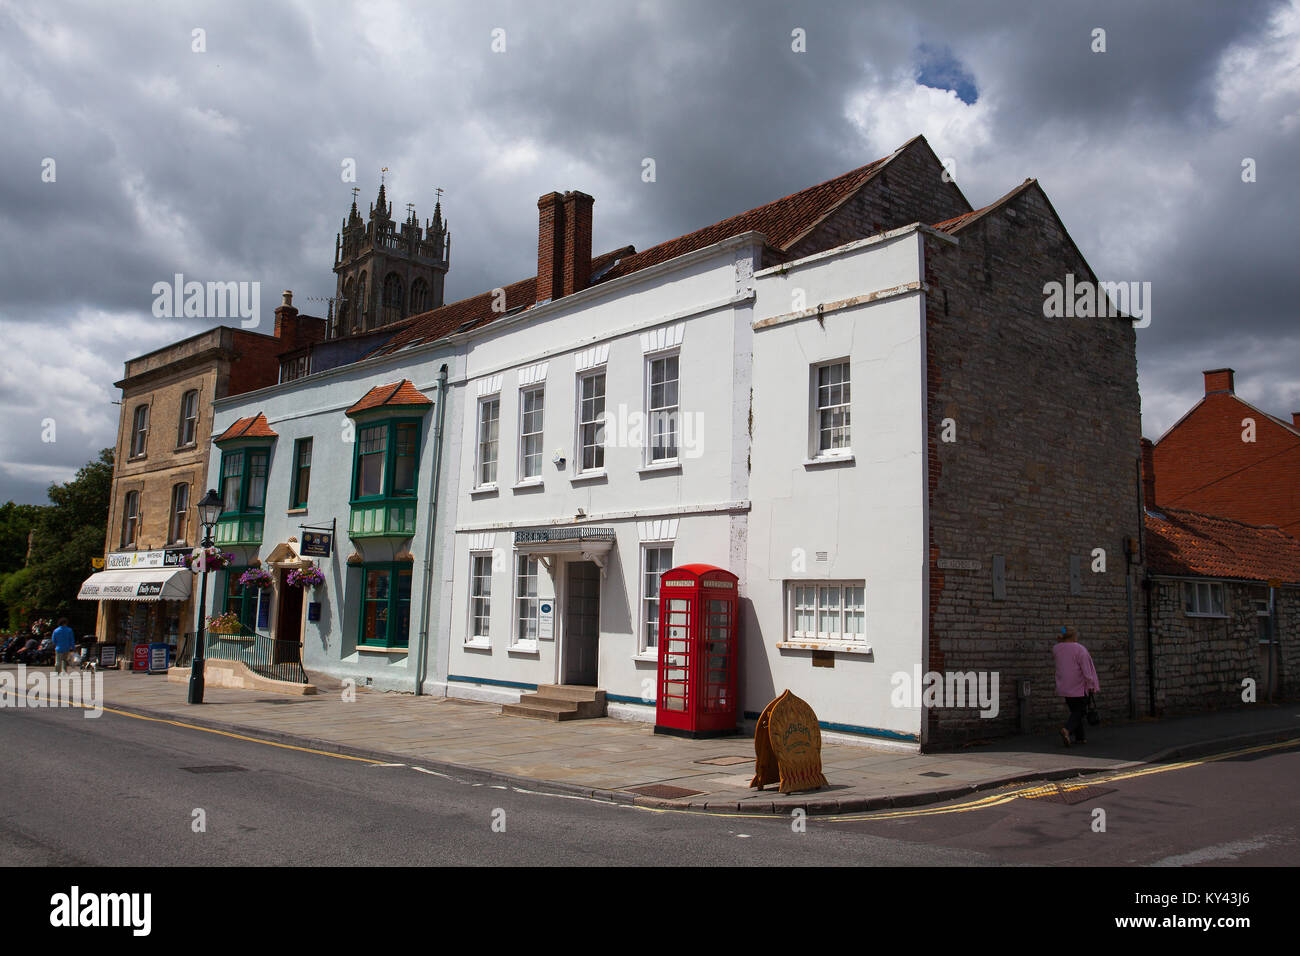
<point x="1045" y="415"/>
<point x="1200" y="662"/>
<point x="911" y="188"/>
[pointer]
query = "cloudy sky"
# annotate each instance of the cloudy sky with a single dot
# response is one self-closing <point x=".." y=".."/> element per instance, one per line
<point x="228" y="163"/>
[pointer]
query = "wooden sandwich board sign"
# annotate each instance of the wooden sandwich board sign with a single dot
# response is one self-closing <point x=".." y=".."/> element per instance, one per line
<point x="788" y="746"/>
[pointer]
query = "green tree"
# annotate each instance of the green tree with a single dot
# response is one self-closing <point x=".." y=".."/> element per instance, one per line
<point x="16" y="523"/>
<point x="67" y="535"/>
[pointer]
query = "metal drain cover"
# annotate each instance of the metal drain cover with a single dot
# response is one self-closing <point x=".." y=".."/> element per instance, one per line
<point x="664" y="791"/>
<point x="725" y="761"/>
<point x="217" y="768"/>
<point x="934" y="773"/>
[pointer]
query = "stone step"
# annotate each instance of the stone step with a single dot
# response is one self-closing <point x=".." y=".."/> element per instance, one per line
<point x="530" y="706"/>
<point x="570" y="692"/>
<point x="559" y="702"/>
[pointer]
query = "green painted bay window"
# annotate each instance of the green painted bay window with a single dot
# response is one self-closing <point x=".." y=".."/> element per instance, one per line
<point x="385" y="473"/>
<point x="240" y="599"/>
<point x="243" y="481"/>
<point x="385" y="605"/>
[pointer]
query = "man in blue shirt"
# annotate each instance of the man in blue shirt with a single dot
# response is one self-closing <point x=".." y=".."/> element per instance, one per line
<point x="63" y="641"/>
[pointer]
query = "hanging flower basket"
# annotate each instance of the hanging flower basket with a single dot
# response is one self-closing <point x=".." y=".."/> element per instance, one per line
<point x="41" y="626"/>
<point x="309" y="577"/>
<point x="256" y="578"/>
<point x="227" y="623"/>
<point x="215" y="558"/>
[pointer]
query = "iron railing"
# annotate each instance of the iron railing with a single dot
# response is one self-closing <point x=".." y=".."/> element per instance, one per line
<point x="278" y="660"/>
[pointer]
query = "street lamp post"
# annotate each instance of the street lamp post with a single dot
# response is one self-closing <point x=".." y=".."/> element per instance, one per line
<point x="209" y="508"/>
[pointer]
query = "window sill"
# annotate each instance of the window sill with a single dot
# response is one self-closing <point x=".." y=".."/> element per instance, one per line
<point x="660" y="466"/>
<point x="529" y="650"/>
<point x="527" y="484"/>
<point x="598" y="475"/>
<point x="188" y="446"/>
<point x="1213" y="617"/>
<point x="477" y="646"/>
<point x="843" y="647"/>
<point x="645" y="658"/>
<point x="375" y="649"/>
<point x="296" y="511"/>
<point x="828" y="460"/>
<point x="484" y="491"/>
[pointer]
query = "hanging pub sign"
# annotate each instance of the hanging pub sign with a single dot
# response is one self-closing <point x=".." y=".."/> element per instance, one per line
<point x="317" y="544"/>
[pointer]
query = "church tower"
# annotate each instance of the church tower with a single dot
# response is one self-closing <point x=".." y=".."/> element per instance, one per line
<point x="386" y="273"/>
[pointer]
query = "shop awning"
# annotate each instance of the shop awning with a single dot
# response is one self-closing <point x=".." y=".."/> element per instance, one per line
<point x="140" y="584"/>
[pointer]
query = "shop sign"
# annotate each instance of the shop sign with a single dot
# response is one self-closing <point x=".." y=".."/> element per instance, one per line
<point x="157" y="658"/>
<point x="546" y="621"/>
<point x="149" y="589"/>
<point x="140" y="658"/>
<point x="168" y="558"/>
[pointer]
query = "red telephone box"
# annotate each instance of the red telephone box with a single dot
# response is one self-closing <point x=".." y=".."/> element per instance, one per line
<point x="697" y="652"/>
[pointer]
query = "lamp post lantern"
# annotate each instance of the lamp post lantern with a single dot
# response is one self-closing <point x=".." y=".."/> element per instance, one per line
<point x="209" y="508"/>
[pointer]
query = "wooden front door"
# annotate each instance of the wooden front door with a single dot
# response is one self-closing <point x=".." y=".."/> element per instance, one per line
<point x="288" y="624"/>
<point x="581" y="623"/>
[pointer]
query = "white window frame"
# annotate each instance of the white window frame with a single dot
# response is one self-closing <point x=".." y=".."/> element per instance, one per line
<point x="598" y="423"/>
<point x="816" y="450"/>
<point x="525" y="391"/>
<point x="1194" y="590"/>
<point x="644" y="647"/>
<point x="522" y="601"/>
<point x="820" y="594"/>
<point x="471" y="635"/>
<point x="650" y="411"/>
<point x="480" y="441"/>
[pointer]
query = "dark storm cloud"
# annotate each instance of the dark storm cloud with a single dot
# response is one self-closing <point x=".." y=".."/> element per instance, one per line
<point x="226" y="165"/>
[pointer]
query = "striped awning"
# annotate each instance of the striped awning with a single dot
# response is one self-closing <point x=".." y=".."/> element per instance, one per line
<point x="138" y="584"/>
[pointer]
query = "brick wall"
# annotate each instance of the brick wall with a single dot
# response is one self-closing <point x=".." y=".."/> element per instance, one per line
<point x="1204" y="465"/>
<point x="1044" y="467"/>
<point x="910" y="189"/>
<point x="256" y="363"/>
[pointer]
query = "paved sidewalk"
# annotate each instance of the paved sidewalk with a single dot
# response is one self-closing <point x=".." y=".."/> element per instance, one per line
<point x="611" y="758"/>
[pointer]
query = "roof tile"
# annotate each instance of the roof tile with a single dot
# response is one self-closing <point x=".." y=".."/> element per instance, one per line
<point x="394" y="394"/>
<point x="1194" y="544"/>
<point x="255" y="426"/>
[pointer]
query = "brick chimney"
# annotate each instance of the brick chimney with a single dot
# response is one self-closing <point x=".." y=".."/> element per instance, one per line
<point x="286" y="321"/>
<point x="1148" y="474"/>
<point x="1218" y="380"/>
<point x="550" y="247"/>
<point x="1295" y="419"/>
<point x="577" y="241"/>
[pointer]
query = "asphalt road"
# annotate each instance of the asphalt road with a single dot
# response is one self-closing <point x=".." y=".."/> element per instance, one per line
<point x="119" y="791"/>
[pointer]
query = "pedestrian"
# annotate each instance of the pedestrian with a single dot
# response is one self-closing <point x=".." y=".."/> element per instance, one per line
<point x="63" y="642"/>
<point x="1076" y="678"/>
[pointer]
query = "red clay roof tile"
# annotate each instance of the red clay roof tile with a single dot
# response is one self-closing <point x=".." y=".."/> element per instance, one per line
<point x="1194" y="544"/>
<point x="395" y="394"/>
<point x="255" y="426"/>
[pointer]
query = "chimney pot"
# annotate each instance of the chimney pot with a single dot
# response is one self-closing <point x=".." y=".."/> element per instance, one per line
<point x="287" y="297"/>
<point x="1219" y="380"/>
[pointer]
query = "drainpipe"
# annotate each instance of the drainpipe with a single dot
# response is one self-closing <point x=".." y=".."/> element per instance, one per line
<point x="1132" y="649"/>
<point x="1149" y="586"/>
<point x="421" y="648"/>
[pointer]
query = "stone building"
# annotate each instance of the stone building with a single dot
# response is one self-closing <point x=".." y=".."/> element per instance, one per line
<point x="386" y="272"/>
<point x="1227" y="457"/>
<point x="160" y="469"/>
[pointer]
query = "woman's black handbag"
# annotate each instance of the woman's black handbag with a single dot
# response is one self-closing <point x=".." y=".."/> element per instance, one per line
<point x="1093" y="715"/>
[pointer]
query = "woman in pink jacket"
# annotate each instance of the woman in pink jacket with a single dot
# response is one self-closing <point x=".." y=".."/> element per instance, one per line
<point x="1076" y="677"/>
